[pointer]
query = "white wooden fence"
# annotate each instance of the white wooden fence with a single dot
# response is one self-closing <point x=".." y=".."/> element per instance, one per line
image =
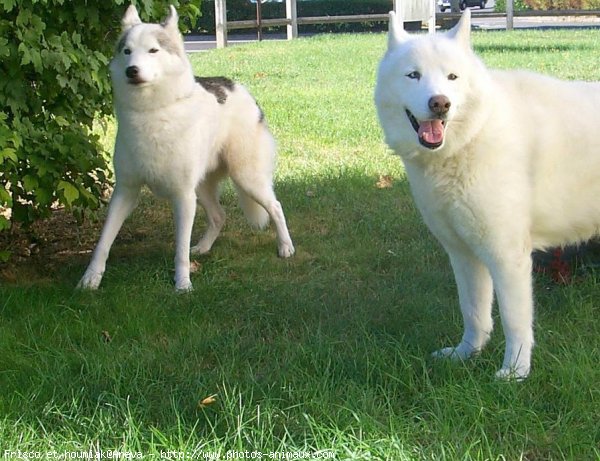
<point x="408" y="10"/>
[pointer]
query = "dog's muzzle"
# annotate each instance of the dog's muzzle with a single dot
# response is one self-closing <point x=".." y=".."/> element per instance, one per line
<point x="431" y="132"/>
<point x="133" y="75"/>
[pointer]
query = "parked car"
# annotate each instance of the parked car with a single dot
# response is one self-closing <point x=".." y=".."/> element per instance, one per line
<point x="468" y="3"/>
<point x="444" y="5"/>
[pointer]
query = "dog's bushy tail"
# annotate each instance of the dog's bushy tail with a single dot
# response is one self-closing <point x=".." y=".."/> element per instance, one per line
<point x="256" y="215"/>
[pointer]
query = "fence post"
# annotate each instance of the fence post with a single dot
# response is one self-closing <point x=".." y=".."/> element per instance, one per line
<point x="510" y="13"/>
<point x="221" y="22"/>
<point x="259" y="20"/>
<point x="399" y="10"/>
<point x="431" y="21"/>
<point x="291" y="14"/>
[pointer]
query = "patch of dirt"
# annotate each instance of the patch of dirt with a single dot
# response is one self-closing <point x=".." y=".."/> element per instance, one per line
<point x="51" y="247"/>
<point x="37" y="252"/>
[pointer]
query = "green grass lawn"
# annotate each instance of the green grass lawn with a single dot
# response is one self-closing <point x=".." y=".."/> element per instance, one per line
<point x="323" y="354"/>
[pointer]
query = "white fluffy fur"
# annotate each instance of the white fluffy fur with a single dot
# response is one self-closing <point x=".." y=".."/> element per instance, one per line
<point x="519" y="169"/>
<point x="176" y="138"/>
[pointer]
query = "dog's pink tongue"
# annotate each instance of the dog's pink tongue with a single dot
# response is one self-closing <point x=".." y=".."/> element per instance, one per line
<point x="431" y="131"/>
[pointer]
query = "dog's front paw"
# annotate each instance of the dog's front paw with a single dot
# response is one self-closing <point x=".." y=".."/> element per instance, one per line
<point x="90" y="281"/>
<point x="202" y="248"/>
<point x="184" y="286"/>
<point x="461" y="352"/>
<point x="286" y="250"/>
<point x="512" y="374"/>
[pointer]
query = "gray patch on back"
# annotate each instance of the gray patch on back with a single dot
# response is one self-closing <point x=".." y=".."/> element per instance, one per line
<point x="217" y="86"/>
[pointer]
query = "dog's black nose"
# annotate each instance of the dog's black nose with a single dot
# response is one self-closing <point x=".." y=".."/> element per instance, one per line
<point x="132" y="71"/>
<point x="439" y="104"/>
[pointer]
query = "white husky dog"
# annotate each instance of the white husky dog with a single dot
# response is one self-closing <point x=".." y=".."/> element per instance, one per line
<point x="180" y="136"/>
<point x="499" y="163"/>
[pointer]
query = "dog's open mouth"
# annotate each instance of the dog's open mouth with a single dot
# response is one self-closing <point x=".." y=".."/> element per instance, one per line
<point x="430" y="132"/>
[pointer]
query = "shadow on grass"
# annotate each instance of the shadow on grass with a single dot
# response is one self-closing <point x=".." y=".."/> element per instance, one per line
<point x="357" y="290"/>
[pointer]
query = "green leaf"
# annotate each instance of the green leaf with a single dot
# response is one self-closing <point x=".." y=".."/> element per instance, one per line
<point x="5" y="198"/>
<point x="61" y="121"/>
<point x="62" y="80"/>
<point x="4" y="49"/>
<point x="8" y="153"/>
<point x="70" y="192"/>
<point x="30" y="183"/>
<point x="36" y="60"/>
<point x="44" y="167"/>
<point x="43" y="196"/>
<point x="26" y="55"/>
<point x="8" y="5"/>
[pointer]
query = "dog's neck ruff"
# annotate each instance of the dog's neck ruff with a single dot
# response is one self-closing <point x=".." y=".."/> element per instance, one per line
<point x="152" y="96"/>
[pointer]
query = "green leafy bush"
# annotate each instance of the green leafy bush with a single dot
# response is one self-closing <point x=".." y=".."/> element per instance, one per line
<point x="238" y="10"/>
<point x="54" y="84"/>
<point x="518" y="5"/>
<point x="521" y="5"/>
<point x="563" y="4"/>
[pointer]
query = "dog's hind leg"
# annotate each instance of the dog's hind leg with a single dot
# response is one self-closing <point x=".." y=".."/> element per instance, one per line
<point x="256" y="191"/>
<point x="122" y="203"/>
<point x="255" y="213"/>
<point x="208" y="197"/>
<point x="250" y="161"/>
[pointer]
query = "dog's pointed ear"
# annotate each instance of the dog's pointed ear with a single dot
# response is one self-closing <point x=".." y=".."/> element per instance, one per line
<point x="172" y="19"/>
<point x="131" y="18"/>
<point x="396" y="34"/>
<point x="462" y="31"/>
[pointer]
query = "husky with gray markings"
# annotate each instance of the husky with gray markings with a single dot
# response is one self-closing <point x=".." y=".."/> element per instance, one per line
<point x="181" y="135"/>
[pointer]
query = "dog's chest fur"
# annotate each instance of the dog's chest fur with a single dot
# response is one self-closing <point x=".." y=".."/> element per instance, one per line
<point x="166" y="149"/>
<point x="449" y="197"/>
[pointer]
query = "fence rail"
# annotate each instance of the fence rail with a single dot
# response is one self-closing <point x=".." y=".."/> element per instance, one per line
<point x="252" y="23"/>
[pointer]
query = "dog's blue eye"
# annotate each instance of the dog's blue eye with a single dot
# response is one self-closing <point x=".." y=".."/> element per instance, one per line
<point x="153" y="50"/>
<point x="414" y="75"/>
<point x="452" y="76"/>
<point x="126" y="51"/>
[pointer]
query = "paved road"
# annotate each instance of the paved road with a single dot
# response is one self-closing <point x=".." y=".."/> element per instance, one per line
<point x="195" y="43"/>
